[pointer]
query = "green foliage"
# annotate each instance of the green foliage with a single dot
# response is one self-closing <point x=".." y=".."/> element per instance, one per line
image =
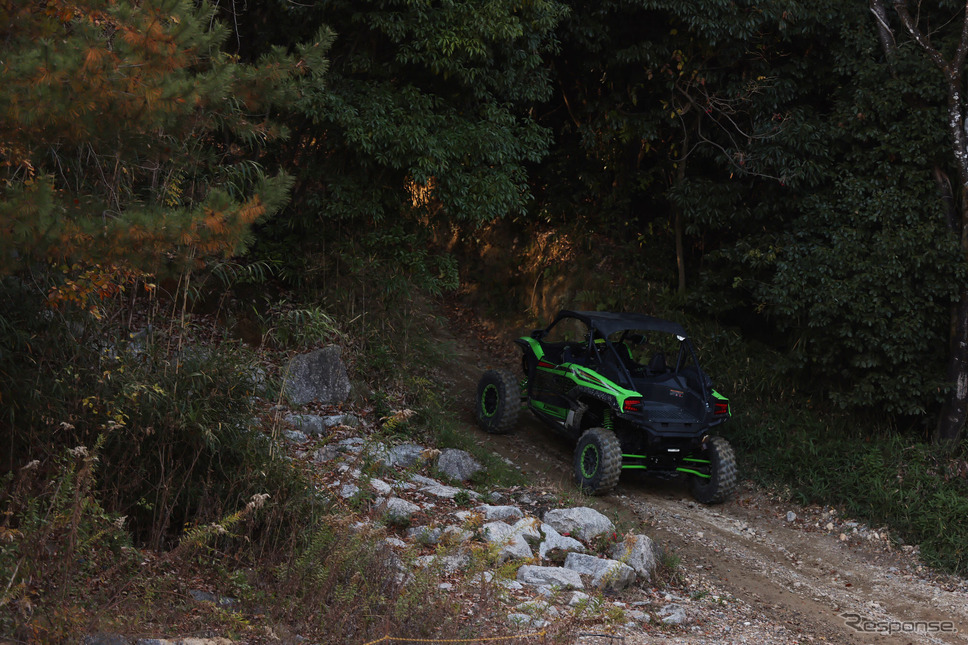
<point x="173" y="419"/>
<point x="848" y="262"/>
<point x="128" y="138"/>
<point x="289" y="327"/>
<point x="424" y="120"/>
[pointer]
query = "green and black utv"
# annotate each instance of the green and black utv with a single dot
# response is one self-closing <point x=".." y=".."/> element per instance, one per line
<point x="629" y="389"/>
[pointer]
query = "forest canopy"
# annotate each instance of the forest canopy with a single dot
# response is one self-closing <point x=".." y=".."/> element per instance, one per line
<point x="795" y="169"/>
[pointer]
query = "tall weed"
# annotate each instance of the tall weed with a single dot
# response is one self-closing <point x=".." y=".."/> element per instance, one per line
<point x="175" y="419"/>
<point x="60" y="551"/>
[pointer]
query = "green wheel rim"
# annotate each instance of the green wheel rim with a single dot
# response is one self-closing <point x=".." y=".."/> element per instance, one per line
<point x="589" y="461"/>
<point x="489" y="400"/>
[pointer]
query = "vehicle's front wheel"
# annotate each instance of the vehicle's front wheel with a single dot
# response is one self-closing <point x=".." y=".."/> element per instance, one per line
<point x="598" y="461"/>
<point x="721" y="484"/>
<point x="498" y="401"/>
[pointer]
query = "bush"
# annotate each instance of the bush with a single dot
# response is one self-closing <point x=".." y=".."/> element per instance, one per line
<point x="175" y="421"/>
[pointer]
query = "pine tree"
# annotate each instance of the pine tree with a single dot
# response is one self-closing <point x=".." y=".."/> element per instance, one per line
<point x="128" y="138"/>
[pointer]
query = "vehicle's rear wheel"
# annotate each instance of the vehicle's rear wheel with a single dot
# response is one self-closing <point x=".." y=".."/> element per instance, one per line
<point x="723" y="479"/>
<point x="498" y="401"/>
<point x="598" y="461"/>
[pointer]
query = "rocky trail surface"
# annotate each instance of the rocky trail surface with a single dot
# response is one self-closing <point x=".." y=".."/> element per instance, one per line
<point x="755" y="569"/>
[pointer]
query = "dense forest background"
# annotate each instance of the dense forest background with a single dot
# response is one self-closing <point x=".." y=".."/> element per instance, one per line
<point x="773" y="163"/>
<point x="790" y="168"/>
<point x="790" y="176"/>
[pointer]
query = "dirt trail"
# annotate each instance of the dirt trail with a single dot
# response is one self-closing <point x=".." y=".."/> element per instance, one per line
<point x="795" y="579"/>
<point x="794" y="575"/>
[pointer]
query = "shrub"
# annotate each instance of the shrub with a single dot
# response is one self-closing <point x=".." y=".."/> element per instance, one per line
<point x="175" y="420"/>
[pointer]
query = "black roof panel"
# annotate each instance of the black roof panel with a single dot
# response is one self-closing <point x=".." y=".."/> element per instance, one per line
<point x="608" y="323"/>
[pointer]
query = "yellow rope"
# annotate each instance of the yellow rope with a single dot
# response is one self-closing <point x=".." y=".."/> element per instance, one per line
<point x="454" y="640"/>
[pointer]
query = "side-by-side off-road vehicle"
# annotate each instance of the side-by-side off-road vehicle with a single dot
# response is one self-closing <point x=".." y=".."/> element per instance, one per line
<point x="629" y="389"/>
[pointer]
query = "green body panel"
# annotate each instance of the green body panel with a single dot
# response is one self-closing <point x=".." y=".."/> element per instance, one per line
<point x="551" y="410"/>
<point x="585" y="377"/>
<point x="534" y="345"/>
<point x="680" y="469"/>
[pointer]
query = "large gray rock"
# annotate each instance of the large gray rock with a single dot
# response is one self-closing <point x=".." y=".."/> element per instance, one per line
<point x="550" y="576"/>
<point x="553" y="540"/>
<point x="605" y="574"/>
<point x="492" y="513"/>
<point x="457" y="464"/>
<point x="295" y="436"/>
<point x="447" y="563"/>
<point x="673" y="615"/>
<point x="317" y="376"/>
<point x="405" y="455"/>
<point x="380" y="487"/>
<point x="637" y="551"/>
<point x="425" y="534"/>
<point x="440" y="490"/>
<point x="510" y="541"/>
<point x="582" y="522"/>
<point x="313" y="424"/>
<point x="398" y="510"/>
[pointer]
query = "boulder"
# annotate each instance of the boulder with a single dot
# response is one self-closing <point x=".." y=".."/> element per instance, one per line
<point x="440" y="490"/>
<point x="319" y="376"/>
<point x="313" y="424"/>
<point x="577" y="598"/>
<point x="511" y="542"/>
<point x="555" y="540"/>
<point x="637" y="551"/>
<point x="295" y="436"/>
<point x="583" y="523"/>
<point x="550" y="576"/>
<point x="399" y="510"/>
<point x="673" y="615"/>
<point x="527" y="527"/>
<point x="347" y="491"/>
<point x="457" y="464"/>
<point x="524" y="620"/>
<point x="380" y="487"/>
<point x="421" y="480"/>
<point x="424" y="534"/>
<point x="351" y="444"/>
<point x="605" y="574"/>
<point x="404" y="456"/>
<point x="492" y="513"/>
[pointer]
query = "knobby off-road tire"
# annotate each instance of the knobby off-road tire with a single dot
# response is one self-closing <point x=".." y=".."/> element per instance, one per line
<point x="598" y="461"/>
<point x="722" y="483"/>
<point x="498" y="401"/>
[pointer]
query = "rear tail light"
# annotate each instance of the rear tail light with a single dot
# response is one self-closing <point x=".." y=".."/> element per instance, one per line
<point x="721" y="407"/>
<point x="632" y="405"/>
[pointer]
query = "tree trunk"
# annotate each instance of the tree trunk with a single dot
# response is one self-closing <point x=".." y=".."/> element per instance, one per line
<point x="954" y="413"/>
<point x="884" y="33"/>
<point x="955" y="409"/>
<point x="677" y="220"/>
